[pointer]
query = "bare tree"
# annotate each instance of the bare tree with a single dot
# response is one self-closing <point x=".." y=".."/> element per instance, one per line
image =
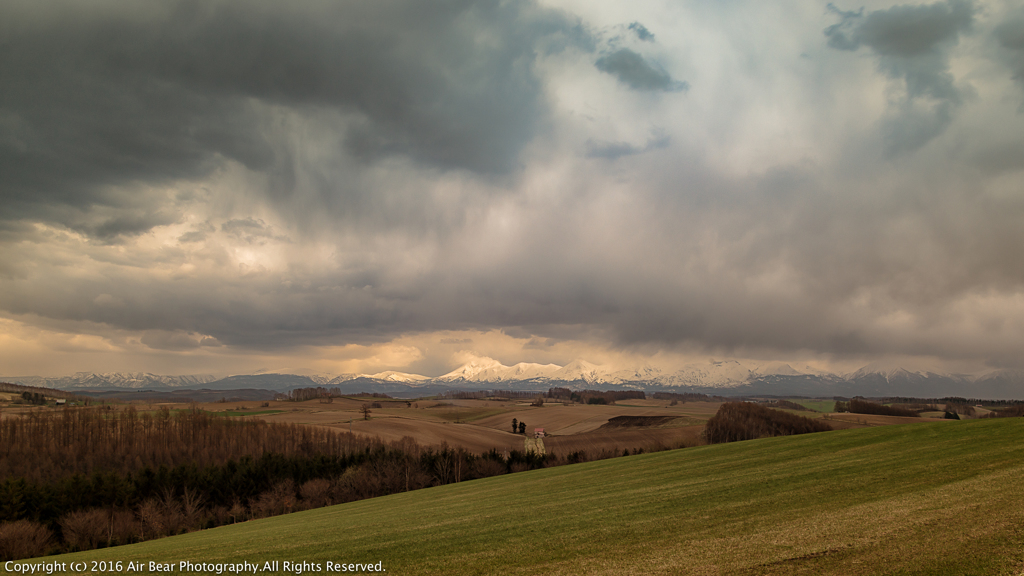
<point x="85" y="529"/>
<point x="316" y="493"/>
<point x="192" y="508"/>
<point x="23" y="539"/>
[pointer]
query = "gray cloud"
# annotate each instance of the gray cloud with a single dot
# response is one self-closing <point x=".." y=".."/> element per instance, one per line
<point x="616" y="150"/>
<point x="177" y="341"/>
<point x="110" y="94"/>
<point x="251" y="231"/>
<point x="634" y="71"/>
<point x="198" y="233"/>
<point x="330" y="173"/>
<point x="1010" y="36"/>
<point x="641" y="32"/>
<point x="912" y="44"/>
<point x="902" y="31"/>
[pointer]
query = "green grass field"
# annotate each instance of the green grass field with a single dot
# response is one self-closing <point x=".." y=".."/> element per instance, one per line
<point x="816" y="405"/>
<point x="249" y="413"/>
<point x="929" y="499"/>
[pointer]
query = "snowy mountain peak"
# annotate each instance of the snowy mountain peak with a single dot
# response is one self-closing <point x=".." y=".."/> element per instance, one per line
<point x="580" y="370"/>
<point x="483" y="369"/>
<point x="480" y="369"/>
<point x="528" y="370"/>
<point x="777" y="369"/>
<point x="392" y="376"/>
<point x="888" y="370"/>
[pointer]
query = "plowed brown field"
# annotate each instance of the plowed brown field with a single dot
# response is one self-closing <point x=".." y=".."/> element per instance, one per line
<point x="480" y="425"/>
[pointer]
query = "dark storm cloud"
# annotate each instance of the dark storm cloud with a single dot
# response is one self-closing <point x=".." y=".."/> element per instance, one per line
<point x="902" y="31"/>
<point x="1010" y="36"/>
<point x="107" y="94"/>
<point x="912" y="44"/>
<point x="632" y="70"/>
<point x="127" y="222"/>
<point x="641" y="32"/>
<point x="251" y="230"/>
<point x="616" y="150"/>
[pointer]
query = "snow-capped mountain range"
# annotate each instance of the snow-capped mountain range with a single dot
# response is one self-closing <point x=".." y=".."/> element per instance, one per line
<point x="135" y="380"/>
<point x="725" y="377"/>
<point x="710" y="374"/>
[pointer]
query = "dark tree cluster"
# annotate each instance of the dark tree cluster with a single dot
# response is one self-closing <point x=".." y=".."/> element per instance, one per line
<point x="736" y="421"/>
<point x="606" y="397"/>
<point x="955" y="400"/>
<point x="861" y="406"/>
<point x="303" y="394"/>
<point x="787" y="405"/>
<point x="594" y="396"/>
<point x="33" y="398"/>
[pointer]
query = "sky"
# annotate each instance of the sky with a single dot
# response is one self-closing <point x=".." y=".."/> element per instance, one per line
<point x="225" y="186"/>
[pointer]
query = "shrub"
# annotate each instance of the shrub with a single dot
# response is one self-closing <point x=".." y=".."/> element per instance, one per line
<point x="23" y="539"/>
<point x="85" y="529"/>
<point x="315" y="493"/>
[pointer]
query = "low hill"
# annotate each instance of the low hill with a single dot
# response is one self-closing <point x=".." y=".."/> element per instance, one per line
<point x="930" y="498"/>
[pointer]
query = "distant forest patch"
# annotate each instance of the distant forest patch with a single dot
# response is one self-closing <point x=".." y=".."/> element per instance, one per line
<point x="859" y="406"/>
<point x="736" y="421"/>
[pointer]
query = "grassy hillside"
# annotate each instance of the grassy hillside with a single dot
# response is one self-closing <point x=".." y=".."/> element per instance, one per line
<point x="931" y="498"/>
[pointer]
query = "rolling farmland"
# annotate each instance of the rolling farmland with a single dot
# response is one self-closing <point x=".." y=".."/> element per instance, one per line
<point x="928" y="498"/>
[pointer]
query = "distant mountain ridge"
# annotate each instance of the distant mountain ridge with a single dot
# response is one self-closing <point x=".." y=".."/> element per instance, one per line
<point x="721" y="377"/>
<point x="137" y="380"/>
